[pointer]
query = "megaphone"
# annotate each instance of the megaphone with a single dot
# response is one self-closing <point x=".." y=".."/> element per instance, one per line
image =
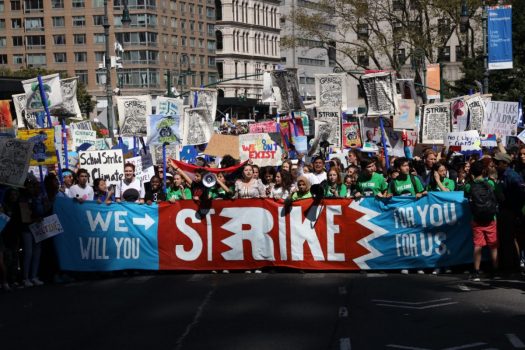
<point x="209" y="180"/>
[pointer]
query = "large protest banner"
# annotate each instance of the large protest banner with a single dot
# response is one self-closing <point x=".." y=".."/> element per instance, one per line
<point x="288" y="85"/>
<point x="43" y="145"/>
<point x="338" y="234"/>
<point x="197" y="127"/>
<point x="53" y="91"/>
<point x="14" y="160"/>
<point x="381" y="93"/>
<point x="476" y="109"/>
<point x="331" y="90"/>
<point x="500" y="37"/>
<point x="133" y="111"/>
<point x="163" y="128"/>
<point x="501" y="118"/>
<point x="108" y="165"/>
<point x="394" y="143"/>
<point x="435" y="124"/>
<point x="459" y="114"/>
<point x="331" y="116"/>
<point x="260" y="148"/>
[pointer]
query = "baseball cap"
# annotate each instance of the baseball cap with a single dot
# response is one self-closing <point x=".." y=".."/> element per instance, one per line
<point x="504" y="157"/>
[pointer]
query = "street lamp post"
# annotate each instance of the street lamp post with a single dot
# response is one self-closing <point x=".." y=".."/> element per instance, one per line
<point x="126" y="20"/>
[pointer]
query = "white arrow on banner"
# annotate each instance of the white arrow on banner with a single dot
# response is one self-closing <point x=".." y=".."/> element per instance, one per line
<point x="146" y="221"/>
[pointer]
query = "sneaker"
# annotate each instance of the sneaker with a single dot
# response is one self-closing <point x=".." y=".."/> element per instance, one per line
<point x="225" y="271"/>
<point x="436" y="271"/>
<point x="247" y="271"/>
<point x="420" y="272"/>
<point x="475" y="277"/>
<point x="404" y="272"/>
<point x="36" y="282"/>
<point x="27" y="283"/>
<point x="258" y="271"/>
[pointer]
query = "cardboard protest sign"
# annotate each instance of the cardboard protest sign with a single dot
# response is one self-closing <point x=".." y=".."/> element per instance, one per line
<point x="169" y="106"/>
<point x="331" y="116"/>
<point x="380" y="91"/>
<point x="464" y="140"/>
<point x="141" y="172"/>
<point x="331" y="90"/>
<point x="72" y="160"/>
<point x="49" y="227"/>
<point x="83" y="136"/>
<point x="288" y="85"/>
<point x="435" y="123"/>
<point x="501" y="118"/>
<point x="108" y="165"/>
<point x="405" y="118"/>
<point x="198" y="128"/>
<point x="133" y="111"/>
<point x="260" y="148"/>
<point x="14" y="161"/>
<point x="351" y="135"/>
<point x="459" y="114"/>
<point x="289" y="129"/>
<point x="43" y="145"/>
<point x="221" y="145"/>
<point x="476" y="109"/>
<point x="52" y="89"/>
<point x="372" y="136"/>
<point x="267" y="126"/>
<point x="163" y="128"/>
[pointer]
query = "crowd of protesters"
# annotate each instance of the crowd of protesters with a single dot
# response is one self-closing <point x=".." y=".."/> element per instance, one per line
<point x="494" y="175"/>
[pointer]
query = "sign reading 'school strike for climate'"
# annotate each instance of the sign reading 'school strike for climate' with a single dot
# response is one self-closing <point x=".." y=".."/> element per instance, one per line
<point x="244" y="234"/>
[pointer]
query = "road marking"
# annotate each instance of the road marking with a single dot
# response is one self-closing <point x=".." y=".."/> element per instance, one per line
<point x="409" y="302"/>
<point x="515" y="341"/>
<point x="196" y="318"/>
<point x="405" y="347"/>
<point x="342" y="290"/>
<point x="467" y="346"/>
<point x="343" y="312"/>
<point x="344" y="344"/>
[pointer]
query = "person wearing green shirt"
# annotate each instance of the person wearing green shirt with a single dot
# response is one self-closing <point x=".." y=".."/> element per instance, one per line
<point x="303" y="189"/>
<point x="405" y="184"/>
<point x="370" y="183"/>
<point x="333" y="186"/>
<point x="177" y="190"/>
<point x="220" y="190"/>
<point x="439" y="182"/>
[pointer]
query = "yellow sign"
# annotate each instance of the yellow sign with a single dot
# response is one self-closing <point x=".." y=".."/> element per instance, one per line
<point x="43" y="145"/>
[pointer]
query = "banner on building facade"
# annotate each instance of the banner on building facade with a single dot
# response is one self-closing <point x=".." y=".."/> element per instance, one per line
<point x="337" y="234"/>
<point x="500" y="37"/>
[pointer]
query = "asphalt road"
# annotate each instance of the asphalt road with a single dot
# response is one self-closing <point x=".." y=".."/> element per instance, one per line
<point x="268" y="311"/>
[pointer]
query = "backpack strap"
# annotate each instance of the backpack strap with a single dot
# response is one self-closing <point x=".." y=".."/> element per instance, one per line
<point x="413" y="180"/>
<point x="392" y="187"/>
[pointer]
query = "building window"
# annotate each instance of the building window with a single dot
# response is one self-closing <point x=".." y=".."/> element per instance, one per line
<point x="59" y="39"/>
<point x="34" y="24"/>
<point x="99" y="56"/>
<point x="459" y="53"/>
<point x="444" y="54"/>
<point x="18" y="41"/>
<point x="98" y="20"/>
<point x="36" y="41"/>
<point x="2" y="23"/>
<point x="60" y="57"/>
<point x="362" y="31"/>
<point x="82" y="76"/>
<point x="311" y="61"/>
<point x="59" y="22"/>
<point x="3" y="59"/>
<point x="210" y="12"/>
<point x="37" y="59"/>
<point x="18" y="59"/>
<point x="79" y="21"/>
<point x="2" y="8"/>
<point x="16" y="5"/>
<point x="397" y="5"/>
<point x="99" y="38"/>
<point x="3" y="41"/>
<point x="16" y="23"/>
<point x="211" y="45"/>
<point x="78" y="4"/>
<point x="80" y="56"/>
<point x="363" y="59"/>
<point x="79" y="39"/>
<point x="57" y="4"/>
<point x="401" y="56"/>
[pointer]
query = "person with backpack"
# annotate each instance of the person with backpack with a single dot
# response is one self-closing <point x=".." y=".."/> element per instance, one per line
<point x="484" y="207"/>
<point x="405" y="184"/>
<point x="370" y="183"/>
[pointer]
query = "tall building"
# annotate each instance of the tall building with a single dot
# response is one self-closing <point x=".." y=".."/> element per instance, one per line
<point x="248" y="43"/>
<point x="68" y="36"/>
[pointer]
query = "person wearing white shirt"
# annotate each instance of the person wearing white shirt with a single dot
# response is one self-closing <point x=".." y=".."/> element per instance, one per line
<point x="319" y="173"/>
<point x="81" y="191"/>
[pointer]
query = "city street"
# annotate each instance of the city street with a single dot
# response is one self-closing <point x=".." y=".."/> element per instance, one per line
<point x="283" y="310"/>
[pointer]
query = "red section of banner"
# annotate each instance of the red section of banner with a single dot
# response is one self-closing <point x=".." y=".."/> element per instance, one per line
<point x="252" y="233"/>
<point x="191" y="168"/>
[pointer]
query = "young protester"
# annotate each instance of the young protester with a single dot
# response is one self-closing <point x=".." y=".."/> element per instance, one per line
<point x="370" y="183"/>
<point x="424" y="167"/>
<point x="405" y="184"/>
<point x="318" y="175"/>
<point x="130" y="189"/>
<point x="82" y="191"/>
<point x="483" y="205"/>
<point x="154" y="193"/>
<point x="248" y="186"/>
<point x="199" y="192"/>
<point x="439" y="181"/>
<point x="69" y="180"/>
<point x="303" y="189"/>
<point x="221" y="190"/>
<point x="282" y="187"/>
<point x="351" y="185"/>
<point x="177" y="190"/>
<point x="352" y="158"/>
<point x="334" y="187"/>
<point x="103" y="194"/>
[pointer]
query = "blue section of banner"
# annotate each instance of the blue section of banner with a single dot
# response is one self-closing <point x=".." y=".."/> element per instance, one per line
<point x="433" y="231"/>
<point x="500" y="37"/>
<point x="100" y="237"/>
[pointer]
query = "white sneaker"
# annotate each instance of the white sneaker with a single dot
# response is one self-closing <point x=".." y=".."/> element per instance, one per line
<point x="225" y="271"/>
<point x="247" y="271"/>
<point x="420" y="272"/>
<point x="36" y="282"/>
<point x="27" y="283"/>
<point x="404" y="272"/>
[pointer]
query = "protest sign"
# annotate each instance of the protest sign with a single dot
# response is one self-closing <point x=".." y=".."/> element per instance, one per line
<point x="331" y="116"/>
<point x="351" y="135"/>
<point x="43" y="145"/>
<point x="198" y="128"/>
<point x="103" y="144"/>
<point x="49" y="227"/>
<point x="133" y="111"/>
<point x="288" y="85"/>
<point x="305" y="120"/>
<point x="72" y="160"/>
<point x="6" y="120"/>
<point x="221" y="145"/>
<point x="331" y="90"/>
<point x="84" y="125"/>
<point x="405" y="118"/>
<point x="290" y="128"/>
<point x="169" y="106"/>
<point x="163" y="128"/>
<point x="380" y="91"/>
<point x="260" y="148"/>
<point x="267" y="126"/>
<point x="207" y="99"/>
<point x="459" y="114"/>
<point x="372" y="135"/>
<point x="51" y="87"/>
<point x="435" y="123"/>
<point x="107" y="165"/>
<point x="172" y="151"/>
<point x="83" y="136"/>
<point x="464" y="140"/>
<point x="24" y="118"/>
<point x="141" y="172"/>
<point x="14" y="160"/>
<point x="476" y="109"/>
<point x="69" y="106"/>
<point x="501" y="118"/>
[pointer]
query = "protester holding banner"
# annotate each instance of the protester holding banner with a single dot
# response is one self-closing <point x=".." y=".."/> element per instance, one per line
<point x="370" y="183"/>
<point x="303" y="189"/>
<point x="334" y="187"/>
<point x="177" y="190"/>
<point x="130" y="189"/>
<point x="103" y="194"/>
<point x="82" y="191"/>
<point x="69" y="180"/>
<point x="221" y="190"/>
<point x="424" y="167"/>
<point x="154" y="193"/>
<point x="319" y="173"/>
<point x="439" y="180"/>
<point x="405" y="184"/>
<point x="282" y="187"/>
<point x="248" y="186"/>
